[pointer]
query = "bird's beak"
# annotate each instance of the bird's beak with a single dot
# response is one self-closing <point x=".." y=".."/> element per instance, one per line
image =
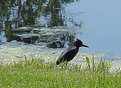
<point x="85" y="46"/>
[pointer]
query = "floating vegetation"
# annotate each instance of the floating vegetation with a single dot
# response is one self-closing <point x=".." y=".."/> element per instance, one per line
<point x="53" y="36"/>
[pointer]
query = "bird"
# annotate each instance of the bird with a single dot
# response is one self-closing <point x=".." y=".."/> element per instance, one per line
<point x="70" y="52"/>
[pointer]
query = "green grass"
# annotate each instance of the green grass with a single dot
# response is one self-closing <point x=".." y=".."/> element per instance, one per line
<point x="32" y="73"/>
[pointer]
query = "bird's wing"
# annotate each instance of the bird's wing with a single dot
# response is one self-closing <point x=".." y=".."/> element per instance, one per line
<point x="70" y="51"/>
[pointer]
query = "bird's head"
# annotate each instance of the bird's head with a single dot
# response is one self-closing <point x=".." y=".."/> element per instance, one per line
<point x="79" y="43"/>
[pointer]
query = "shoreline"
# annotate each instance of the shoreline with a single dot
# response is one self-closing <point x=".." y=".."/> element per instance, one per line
<point x="18" y="50"/>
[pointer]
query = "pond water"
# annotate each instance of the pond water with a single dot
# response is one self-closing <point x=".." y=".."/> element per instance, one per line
<point x="101" y="21"/>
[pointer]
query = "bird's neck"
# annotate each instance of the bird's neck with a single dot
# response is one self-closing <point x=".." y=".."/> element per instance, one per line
<point x="76" y="46"/>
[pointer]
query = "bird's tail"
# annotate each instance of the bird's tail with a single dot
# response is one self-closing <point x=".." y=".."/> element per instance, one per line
<point x="57" y="62"/>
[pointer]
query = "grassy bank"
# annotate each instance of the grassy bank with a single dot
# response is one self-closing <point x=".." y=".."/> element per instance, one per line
<point x="32" y="73"/>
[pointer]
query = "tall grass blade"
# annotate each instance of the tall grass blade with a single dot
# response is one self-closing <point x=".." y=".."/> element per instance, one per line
<point x="93" y="64"/>
<point x="88" y="62"/>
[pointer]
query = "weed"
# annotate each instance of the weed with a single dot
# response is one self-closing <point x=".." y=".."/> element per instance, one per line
<point x="38" y="73"/>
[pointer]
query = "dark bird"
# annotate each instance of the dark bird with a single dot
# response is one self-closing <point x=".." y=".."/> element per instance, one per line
<point x="69" y="53"/>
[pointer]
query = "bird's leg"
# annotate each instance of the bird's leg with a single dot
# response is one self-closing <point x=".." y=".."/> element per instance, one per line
<point x="65" y="63"/>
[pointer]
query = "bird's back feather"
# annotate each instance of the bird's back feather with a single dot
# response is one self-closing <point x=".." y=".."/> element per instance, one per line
<point x="68" y="54"/>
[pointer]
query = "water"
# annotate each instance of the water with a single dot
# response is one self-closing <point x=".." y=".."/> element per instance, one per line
<point x="101" y="19"/>
<point x="103" y="22"/>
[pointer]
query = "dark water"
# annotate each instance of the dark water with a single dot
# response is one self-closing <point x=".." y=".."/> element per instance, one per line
<point x="58" y="23"/>
<point x="40" y="22"/>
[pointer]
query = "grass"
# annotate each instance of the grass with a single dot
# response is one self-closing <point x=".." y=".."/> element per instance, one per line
<point x="31" y="73"/>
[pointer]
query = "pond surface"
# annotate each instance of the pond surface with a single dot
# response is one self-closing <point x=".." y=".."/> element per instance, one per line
<point x="96" y="23"/>
<point x="103" y="22"/>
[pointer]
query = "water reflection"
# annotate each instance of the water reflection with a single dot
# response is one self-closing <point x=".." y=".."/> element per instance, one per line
<point x="36" y="21"/>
